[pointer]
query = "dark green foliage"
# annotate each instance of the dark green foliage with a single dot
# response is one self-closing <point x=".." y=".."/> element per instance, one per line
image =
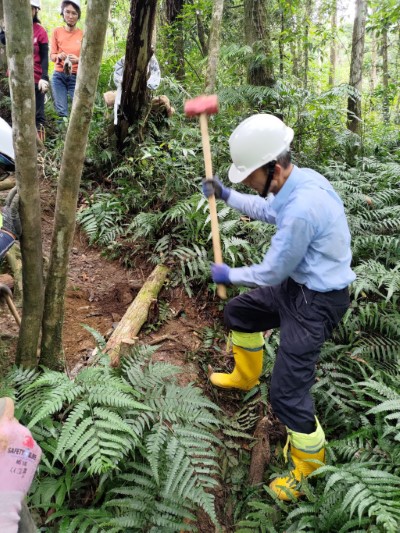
<point x="125" y="450"/>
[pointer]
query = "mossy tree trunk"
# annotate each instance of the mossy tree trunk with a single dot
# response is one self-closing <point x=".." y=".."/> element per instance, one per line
<point x="257" y="35"/>
<point x="294" y="45"/>
<point x="69" y="180"/>
<point x="135" y="96"/>
<point x="333" y="45"/>
<point x="201" y="33"/>
<point x="173" y="11"/>
<point x="357" y="56"/>
<point x="3" y="59"/>
<point x="306" y="40"/>
<point x="18" y="20"/>
<point x="213" y="49"/>
<point x="373" y="70"/>
<point x="385" y="76"/>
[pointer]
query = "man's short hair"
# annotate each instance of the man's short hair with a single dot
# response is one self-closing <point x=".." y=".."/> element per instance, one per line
<point x="284" y="159"/>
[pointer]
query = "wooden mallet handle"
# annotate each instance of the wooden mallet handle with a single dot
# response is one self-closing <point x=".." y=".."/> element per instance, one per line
<point x="203" y="106"/>
<point x="5" y="292"/>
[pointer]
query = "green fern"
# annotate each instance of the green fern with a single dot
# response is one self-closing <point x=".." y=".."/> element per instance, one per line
<point x="146" y="445"/>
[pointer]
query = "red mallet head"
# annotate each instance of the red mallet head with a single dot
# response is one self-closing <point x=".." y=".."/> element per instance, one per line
<point x="201" y="104"/>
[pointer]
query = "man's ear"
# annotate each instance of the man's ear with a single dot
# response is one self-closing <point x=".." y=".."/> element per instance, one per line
<point x="278" y="170"/>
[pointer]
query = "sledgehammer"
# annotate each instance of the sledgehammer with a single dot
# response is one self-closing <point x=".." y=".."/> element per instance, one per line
<point x="5" y="292"/>
<point x="203" y="106"/>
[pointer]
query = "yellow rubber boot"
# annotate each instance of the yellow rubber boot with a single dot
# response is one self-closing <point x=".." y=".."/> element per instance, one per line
<point x="307" y="453"/>
<point x="248" y="363"/>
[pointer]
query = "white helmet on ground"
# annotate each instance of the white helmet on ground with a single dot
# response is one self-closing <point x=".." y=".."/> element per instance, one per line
<point x="6" y="141"/>
<point x="35" y="3"/>
<point x="255" y="142"/>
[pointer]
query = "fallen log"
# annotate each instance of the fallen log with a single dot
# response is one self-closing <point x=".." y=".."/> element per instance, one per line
<point x="136" y="315"/>
<point x="6" y="184"/>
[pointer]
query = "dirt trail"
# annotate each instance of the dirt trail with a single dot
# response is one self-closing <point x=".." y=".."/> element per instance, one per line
<point x="98" y="293"/>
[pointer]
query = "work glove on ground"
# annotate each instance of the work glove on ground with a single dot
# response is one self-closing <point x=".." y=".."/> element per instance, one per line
<point x="220" y="273"/>
<point x="214" y="187"/>
<point x="43" y="86"/>
<point x="11" y="220"/>
<point x="19" y="458"/>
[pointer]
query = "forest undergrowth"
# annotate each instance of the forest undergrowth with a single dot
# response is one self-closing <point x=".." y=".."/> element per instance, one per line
<point x="129" y="449"/>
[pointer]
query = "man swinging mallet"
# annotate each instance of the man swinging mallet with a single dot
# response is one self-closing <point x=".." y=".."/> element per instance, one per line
<point x="301" y="286"/>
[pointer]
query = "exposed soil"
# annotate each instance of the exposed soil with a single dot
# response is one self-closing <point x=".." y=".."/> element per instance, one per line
<point x="99" y="292"/>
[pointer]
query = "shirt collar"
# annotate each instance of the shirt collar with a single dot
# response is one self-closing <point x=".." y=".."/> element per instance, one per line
<point x="290" y="184"/>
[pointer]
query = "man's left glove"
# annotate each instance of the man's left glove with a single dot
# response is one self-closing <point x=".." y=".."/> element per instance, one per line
<point x="11" y="220"/>
<point x="220" y="273"/>
<point x="43" y="86"/>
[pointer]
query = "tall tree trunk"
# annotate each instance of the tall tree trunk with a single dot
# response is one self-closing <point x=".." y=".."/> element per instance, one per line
<point x="3" y="59"/>
<point x="257" y="35"/>
<point x="373" y="74"/>
<point x="70" y="176"/>
<point x="397" y="109"/>
<point x="306" y="40"/>
<point x="385" y="76"/>
<point x="357" y="56"/>
<point x="201" y="33"/>
<point x="18" y="19"/>
<point x="293" y="41"/>
<point x="135" y="95"/>
<point x="281" y="44"/>
<point x="332" y="54"/>
<point x="213" y="49"/>
<point x="175" y="38"/>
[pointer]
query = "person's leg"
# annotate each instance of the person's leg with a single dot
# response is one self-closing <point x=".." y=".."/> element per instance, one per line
<point x="307" y="321"/>
<point x="40" y="117"/>
<point x="247" y="316"/>
<point x="60" y="94"/>
<point x="71" y="87"/>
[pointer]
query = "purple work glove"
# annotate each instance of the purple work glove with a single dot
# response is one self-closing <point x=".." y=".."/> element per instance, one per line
<point x="220" y="273"/>
<point x="212" y="186"/>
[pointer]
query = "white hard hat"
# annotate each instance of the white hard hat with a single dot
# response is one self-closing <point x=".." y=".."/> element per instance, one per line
<point x="76" y="3"/>
<point x="6" y="141"/>
<point x="255" y="142"/>
<point x="35" y="3"/>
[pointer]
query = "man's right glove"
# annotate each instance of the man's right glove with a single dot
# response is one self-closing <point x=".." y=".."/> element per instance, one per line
<point x="214" y="187"/>
<point x="11" y="220"/>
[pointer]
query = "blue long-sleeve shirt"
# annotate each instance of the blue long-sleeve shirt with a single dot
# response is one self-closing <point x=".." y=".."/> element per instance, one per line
<point x="312" y="242"/>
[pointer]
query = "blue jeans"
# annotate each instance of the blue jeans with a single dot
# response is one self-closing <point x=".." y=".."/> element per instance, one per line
<point x="63" y="86"/>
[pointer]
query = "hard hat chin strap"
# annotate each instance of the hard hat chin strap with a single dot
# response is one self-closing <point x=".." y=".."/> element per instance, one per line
<point x="270" y="171"/>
